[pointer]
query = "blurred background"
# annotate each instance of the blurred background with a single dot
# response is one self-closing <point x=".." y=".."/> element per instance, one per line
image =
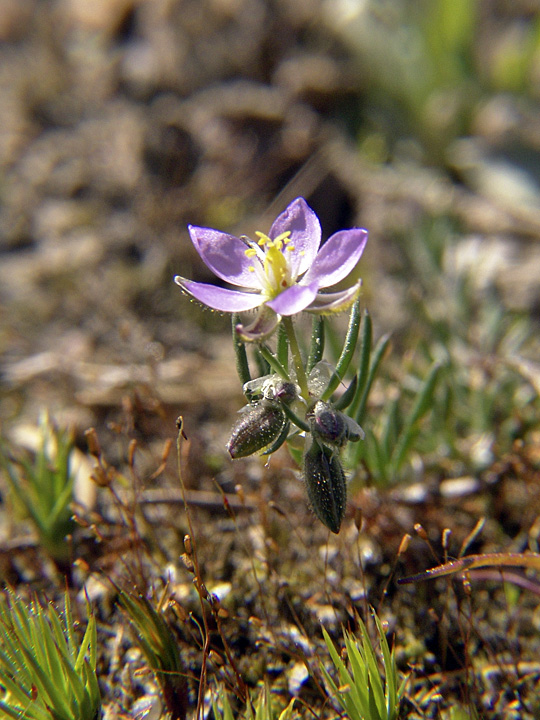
<point x="123" y="120"/>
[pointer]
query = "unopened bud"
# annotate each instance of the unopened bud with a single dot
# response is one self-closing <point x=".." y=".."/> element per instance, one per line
<point x="256" y="430"/>
<point x="325" y="484"/>
<point x="328" y="424"/>
<point x="332" y="426"/>
<point x="285" y="392"/>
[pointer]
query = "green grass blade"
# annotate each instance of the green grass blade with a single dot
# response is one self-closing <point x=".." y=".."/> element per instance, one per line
<point x="354" y="700"/>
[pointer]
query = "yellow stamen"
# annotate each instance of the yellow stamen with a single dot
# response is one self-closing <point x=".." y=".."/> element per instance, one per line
<point x="284" y="237"/>
<point x="263" y="239"/>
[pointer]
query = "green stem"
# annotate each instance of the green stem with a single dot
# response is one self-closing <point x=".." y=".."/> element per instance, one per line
<point x="242" y="365"/>
<point x="297" y="357"/>
<point x="273" y="362"/>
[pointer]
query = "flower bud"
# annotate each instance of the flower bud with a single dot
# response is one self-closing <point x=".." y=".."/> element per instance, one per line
<point x="332" y="426"/>
<point x="258" y="426"/>
<point x="325" y="484"/>
<point x="285" y="392"/>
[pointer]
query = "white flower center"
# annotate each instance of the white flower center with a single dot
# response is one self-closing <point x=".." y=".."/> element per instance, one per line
<point x="273" y="269"/>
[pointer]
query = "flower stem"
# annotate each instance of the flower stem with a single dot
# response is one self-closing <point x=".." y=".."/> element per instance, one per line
<point x="297" y="357"/>
<point x="274" y="363"/>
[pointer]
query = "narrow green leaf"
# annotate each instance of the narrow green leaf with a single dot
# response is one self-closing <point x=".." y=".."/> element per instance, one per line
<point x="375" y="683"/>
<point x="347" y="353"/>
<point x="278" y="442"/>
<point x="346" y="399"/>
<point x="366" y="340"/>
<point x="287" y="713"/>
<point x="422" y="404"/>
<point x="353" y="700"/>
<point x="282" y="349"/>
<point x="46" y="685"/>
<point x="391" y="429"/>
<point x="293" y="417"/>
<point x="24" y="711"/>
<point x="273" y="362"/>
<point x="358" y="406"/>
<point x="242" y="365"/>
<point x="225" y="711"/>
<point x="376" y="460"/>
<point x="316" y="349"/>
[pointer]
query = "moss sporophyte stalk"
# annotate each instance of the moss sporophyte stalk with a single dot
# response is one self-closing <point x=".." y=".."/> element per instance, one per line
<point x="279" y="275"/>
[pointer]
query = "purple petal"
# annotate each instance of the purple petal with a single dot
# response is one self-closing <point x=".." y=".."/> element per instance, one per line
<point x="264" y="325"/>
<point x="329" y="303"/>
<point x="337" y="257"/>
<point x="305" y="238"/>
<point x="225" y="255"/>
<point x="294" y="299"/>
<point x="220" y="298"/>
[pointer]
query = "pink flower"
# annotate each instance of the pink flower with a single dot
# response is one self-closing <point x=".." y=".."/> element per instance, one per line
<point x="281" y="273"/>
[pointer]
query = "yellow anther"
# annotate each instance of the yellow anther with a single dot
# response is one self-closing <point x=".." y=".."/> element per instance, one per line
<point x="250" y="252"/>
<point x="290" y="248"/>
<point x="284" y="237"/>
<point x="251" y="268"/>
<point x="263" y="239"/>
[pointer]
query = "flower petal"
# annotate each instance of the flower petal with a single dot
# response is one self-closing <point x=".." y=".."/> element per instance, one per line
<point x="329" y="303"/>
<point x="337" y="257"/>
<point x="262" y="326"/>
<point x="225" y="255"/>
<point x="300" y="220"/>
<point x="294" y="299"/>
<point x="220" y="298"/>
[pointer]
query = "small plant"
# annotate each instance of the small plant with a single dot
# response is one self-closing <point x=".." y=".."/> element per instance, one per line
<point x="263" y="710"/>
<point x="160" y="648"/>
<point x="362" y="693"/>
<point x="280" y="275"/>
<point x="44" y="673"/>
<point x="44" y="487"/>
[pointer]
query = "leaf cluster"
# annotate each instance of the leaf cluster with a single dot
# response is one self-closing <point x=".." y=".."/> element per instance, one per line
<point x="43" y="486"/>
<point x="46" y="674"/>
